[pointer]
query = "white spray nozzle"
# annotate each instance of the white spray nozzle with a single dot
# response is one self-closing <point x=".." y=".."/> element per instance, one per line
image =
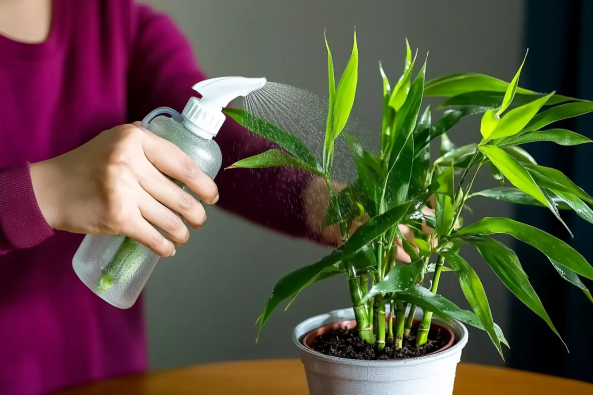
<point x="203" y="116"/>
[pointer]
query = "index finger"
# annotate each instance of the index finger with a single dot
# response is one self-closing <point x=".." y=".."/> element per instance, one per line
<point x="172" y="161"/>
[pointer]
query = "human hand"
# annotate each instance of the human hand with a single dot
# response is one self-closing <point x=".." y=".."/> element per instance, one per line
<point x="116" y="184"/>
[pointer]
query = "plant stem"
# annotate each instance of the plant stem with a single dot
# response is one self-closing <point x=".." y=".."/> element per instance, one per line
<point x="371" y="312"/>
<point x="465" y="197"/>
<point x="409" y="322"/>
<point x="364" y="287"/>
<point x="400" y="320"/>
<point x="390" y="338"/>
<point x="363" y="323"/>
<point x="380" y="259"/>
<point x="380" y="323"/>
<point x="427" y="317"/>
<point x="356" y="284"/>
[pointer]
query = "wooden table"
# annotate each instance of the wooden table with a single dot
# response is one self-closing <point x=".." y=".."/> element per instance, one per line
<point x="286" y="377"/>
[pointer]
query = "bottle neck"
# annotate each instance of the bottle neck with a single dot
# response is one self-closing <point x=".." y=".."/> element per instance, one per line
<point x="198" y="131"/>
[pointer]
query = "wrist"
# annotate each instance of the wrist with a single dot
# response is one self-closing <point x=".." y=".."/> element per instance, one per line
<point x="46" y="181"/>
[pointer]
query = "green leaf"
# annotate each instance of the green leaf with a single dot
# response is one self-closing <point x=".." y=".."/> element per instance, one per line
<point x="400" y="278"/>
<point x="444" y="308"/>
<point x="558" y="136"/>
<point x="556" y="181"/>
<point x="348" y="203"/>
<point x="491" y="118"/>
<point x="510" y="92"/>
<point x="376" y="226"/>
<point x="445" y="181"/>
<point x="272" y="133"/>
<point x="345" y="93"/>
<point x="493" y="100"/>
<point x="398" y="179"/>
<point x="400" y="92"/>
<point x="444" y="209"/>
<point x="514" y="171"/>
<point x="408" y="247"/>
<point x="388" y="113"/>
<point x="578" y="206"/>
<point x="330" y="74"/>
<point x="551" y="246"/>
<point x="506" y="265"/>
<point x="520" y="154"/>
<point x="423" y="246"/>
<point x="456" y="84"/>
<point x="405" y="121"/>
<point x="558" y="113"/>
<point x="365" y="258"/>
<point x="421" y="165"/>
<point x="274" y="158"/>
<point x="474" y="293"/>
<point x="497" y="174"/>
<point x="432" y="267"/>
<point x="328" y="146"/>
<point x="449" y="119"/>
<point x="446" y="144"/>
<point x="514" y="195"/>
<point x="324" y="275"/>
<point x="571" y="277"/>
<point x="515" y="120"/>
<point x="459" y="157"/>
<point x="292" y="283"/>
<point x="369" y="169"/>
<point x="371" y="161"/>
<point x="489" y="122"/>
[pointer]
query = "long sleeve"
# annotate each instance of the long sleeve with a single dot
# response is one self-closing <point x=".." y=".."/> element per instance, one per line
<point x="21" y="223"/>
<point x="161" y="73"/>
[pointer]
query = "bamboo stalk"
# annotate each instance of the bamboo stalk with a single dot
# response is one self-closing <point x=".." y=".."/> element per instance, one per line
<point x="380" y="324"/>
<point x="400" y="320"/>
<point x="409" y="322"/>
<point x="363" y="323"/>
<point x="390" y="319"/>
<point x="364" y="286"/>
<point x="427" y="317"/>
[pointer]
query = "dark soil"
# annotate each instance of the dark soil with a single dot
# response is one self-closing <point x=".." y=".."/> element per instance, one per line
<point x="345" y="343"/>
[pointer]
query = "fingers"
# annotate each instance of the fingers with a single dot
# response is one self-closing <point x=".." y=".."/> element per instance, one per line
<point x="141" y="231"/>
<point x="170" y="160"/>
<point x="172" y="196"/>
<point x="401" y="255"/>
<point x="425" y="228"/>
<point x="163" y="218"/>
<point x="407" y="232"/>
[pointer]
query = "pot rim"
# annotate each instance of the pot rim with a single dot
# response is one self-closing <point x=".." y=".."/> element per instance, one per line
<point x="459" y="330"/>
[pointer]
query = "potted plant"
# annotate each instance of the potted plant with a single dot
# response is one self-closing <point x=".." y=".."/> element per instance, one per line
<point x="401" y="336"/>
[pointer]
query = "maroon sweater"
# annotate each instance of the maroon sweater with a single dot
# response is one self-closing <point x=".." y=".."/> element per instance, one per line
<point x="104" y="63"/>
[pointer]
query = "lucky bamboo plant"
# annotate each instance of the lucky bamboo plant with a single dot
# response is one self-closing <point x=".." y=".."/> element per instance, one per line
<point x="396" y="185"/>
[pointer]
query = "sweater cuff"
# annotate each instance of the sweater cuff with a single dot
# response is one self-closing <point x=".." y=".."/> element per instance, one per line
<point x="21" y="223"/>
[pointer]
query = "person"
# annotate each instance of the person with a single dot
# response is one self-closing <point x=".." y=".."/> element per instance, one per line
<point x="73" y="75"/>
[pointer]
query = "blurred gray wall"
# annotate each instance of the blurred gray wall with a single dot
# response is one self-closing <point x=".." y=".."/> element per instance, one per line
<point x="202" y="304"/>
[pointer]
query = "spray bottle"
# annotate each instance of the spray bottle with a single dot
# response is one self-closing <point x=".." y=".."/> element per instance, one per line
<point x="116" y="267"/>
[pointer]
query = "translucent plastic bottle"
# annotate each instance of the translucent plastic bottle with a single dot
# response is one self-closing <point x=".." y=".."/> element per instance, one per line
<point x="116" y="267"/>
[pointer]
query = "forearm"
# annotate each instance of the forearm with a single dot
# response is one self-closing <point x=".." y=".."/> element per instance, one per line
<point x="22" y="225"/>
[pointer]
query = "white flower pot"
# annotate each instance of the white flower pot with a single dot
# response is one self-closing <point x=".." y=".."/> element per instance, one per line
<point x="431" y="374"/>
